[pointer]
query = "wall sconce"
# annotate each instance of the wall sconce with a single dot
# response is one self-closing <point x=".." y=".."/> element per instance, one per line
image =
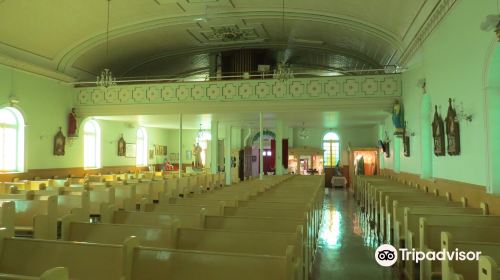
<point x="461" y="114"/>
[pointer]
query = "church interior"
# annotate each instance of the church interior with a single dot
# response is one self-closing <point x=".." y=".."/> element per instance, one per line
<point x="232" y="139"/>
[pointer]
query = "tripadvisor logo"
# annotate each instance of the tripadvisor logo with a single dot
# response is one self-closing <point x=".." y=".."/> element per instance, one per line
<point x="387" y="255"/>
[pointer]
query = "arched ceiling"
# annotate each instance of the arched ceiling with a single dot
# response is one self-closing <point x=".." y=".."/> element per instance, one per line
<point x="170" y="37"/>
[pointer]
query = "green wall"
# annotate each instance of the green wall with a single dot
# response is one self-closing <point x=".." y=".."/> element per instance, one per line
<point x="45" y="105"/>
<point x="453" y="62"/>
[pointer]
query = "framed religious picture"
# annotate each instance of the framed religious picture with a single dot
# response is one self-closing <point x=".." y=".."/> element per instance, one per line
<point x="406" y="145"/>
<point x="121" y="147"/>
<point x="59" y="143"/>
<point x="438" y="134"/>
<point x="452" y="131"/>
<point x="130" y="150"/>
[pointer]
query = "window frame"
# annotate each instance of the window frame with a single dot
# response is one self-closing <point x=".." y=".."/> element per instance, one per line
<point x="331" y="151"/>
<point x="20" y="139"/>
<point x="96" y="134"/>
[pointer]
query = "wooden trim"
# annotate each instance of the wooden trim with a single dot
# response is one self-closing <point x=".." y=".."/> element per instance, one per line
<point x="475" y="194"/>
<point x="65" y="172"/>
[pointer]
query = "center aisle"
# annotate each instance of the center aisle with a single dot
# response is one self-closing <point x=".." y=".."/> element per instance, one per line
<point x="345" y="247"/>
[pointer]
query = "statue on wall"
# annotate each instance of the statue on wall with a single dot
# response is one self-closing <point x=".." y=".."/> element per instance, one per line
<point x="121" y="147"/>
<point x="59" y="143"/>
<point x="438" y="134"/>
<point x="452" y="131"/>
<point x="398" y="118"/>
<point x="72" y="124"/>
<point x="197" y="156"/>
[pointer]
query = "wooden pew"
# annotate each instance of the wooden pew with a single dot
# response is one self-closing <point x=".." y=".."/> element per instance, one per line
<point x="56" y="273"/>
<point x="430" y="240"/>
<point x="74" y="203"/>
<point x="448" y="219"/>
<point x="157" y="219"/>
<point x="101" y="202"/>
<point x="149" y="263"/>
<point x="30" y="257"/>
<point x="398" y="209"/>
<point x="36" y="218"/>
<point x="7" y="217"/>
<point x="173" y="237"/>
<point x="230" y="202"/>
<point x="488" y="268"/>
<point x="413" y="214"/>
<point x="466" y="269"/>
<point x="217" y="210"/>
<point x="125" y="197"/>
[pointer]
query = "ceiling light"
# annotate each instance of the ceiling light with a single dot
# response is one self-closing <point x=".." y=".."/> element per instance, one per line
<point x="106" y="78"/>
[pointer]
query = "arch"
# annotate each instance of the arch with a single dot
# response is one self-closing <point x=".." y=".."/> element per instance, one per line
<point x="11" y="140"/>
<point x="331" y="148"/>
<point x="265" y="133"/>
<point x="141" y="146"/>
<point x="91" y="144"/>
<point x="492" y="115"/>
<point x="426" y="137"/>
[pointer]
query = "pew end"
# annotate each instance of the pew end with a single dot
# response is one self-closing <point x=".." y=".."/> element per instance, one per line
<point x="488" y="269"/>
<point x="485" y="208"/>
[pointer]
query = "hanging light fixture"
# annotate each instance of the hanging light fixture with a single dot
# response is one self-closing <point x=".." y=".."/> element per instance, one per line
<point x="199" y="137"/>
<point x="283" y="72"/>
<point x="106" y="78"/>
<point x="303" y="132"/>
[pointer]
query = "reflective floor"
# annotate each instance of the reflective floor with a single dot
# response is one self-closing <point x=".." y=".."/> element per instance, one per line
<point x="346" y="247"/>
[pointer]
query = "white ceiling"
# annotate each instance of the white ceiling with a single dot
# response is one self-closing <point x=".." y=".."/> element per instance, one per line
<point x="291" y="119"/>
<point x="68" y="37"/>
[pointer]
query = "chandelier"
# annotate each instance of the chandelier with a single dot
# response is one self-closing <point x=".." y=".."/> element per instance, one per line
<point x="106" y="78"/>
<point x="200" y="135"/>
<point x="283" y="72"/>
<point x="303" y="133"/>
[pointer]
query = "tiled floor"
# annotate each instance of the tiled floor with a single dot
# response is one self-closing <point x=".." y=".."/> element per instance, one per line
<point x="345" y="247"/>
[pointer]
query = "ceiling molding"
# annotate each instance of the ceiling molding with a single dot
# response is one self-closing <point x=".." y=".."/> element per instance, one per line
<point x="66" y="59"/>
<point x="35" y="69"/>
<point x="439" y="13"/>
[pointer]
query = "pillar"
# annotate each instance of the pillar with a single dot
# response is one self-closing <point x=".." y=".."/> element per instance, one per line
<point x="214" y="147"/>
<point x="261" y="148"/>
<point x="227" y="155"/>
<point x="279" y="148"/>
<point x="180" y="145"/>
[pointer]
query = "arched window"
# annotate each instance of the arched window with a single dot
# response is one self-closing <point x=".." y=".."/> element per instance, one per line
<point x="141" y="147"/>
<point x="91" y="145"/>
<point x="331" y="147"/>
<point x="11" y="140"/>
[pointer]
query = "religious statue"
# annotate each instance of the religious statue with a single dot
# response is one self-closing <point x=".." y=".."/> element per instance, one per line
<point x="398" y="118"/>
<point x="72" y="124"/>
<point x="121" y="147"/>
<point x="438" y="134"/>
<point x="59" y="143"/>
<point x="168" y="166"/>
<point x="360" y="166"/>
<point x="452" y="131"/>
<point x="197" y="156"/>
